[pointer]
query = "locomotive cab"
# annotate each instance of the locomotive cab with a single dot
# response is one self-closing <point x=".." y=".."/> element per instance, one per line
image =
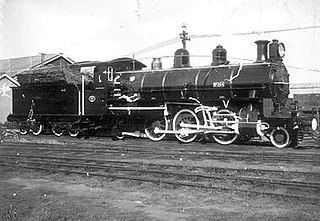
<point x="102" y="77"/>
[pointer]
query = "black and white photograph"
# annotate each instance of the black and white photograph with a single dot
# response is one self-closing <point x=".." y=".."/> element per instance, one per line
<point x="159" y="110"/>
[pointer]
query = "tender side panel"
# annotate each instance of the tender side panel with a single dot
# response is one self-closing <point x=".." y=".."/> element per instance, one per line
<point x="48" y="100"/>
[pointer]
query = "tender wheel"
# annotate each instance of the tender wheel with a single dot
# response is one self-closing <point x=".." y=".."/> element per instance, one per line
<point x="73" y="132"/>
<point x="57" y="131"/>
<point x="37" y="129"/>
<point x="280" y="137"/>
<point x="188" y="117"/>
<point x="23" y="131"/>
<point x="229" y="137"/>
<point x="150" y="129"/>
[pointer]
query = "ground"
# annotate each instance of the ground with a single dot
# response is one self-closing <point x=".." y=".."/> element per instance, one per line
<point x="33" y="196"/>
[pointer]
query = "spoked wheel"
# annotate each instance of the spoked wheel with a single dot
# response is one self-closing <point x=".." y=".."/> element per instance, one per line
<point x="280" y="137"/>
<point x="188" y="117"/>
<point x="57" y="131"/>
<point x="36" y="128"/>
<point x="229" y="137"/>
<point x="151" y="127"/>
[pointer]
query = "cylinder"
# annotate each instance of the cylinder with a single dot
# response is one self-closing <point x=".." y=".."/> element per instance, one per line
<point x="262" y="50"/>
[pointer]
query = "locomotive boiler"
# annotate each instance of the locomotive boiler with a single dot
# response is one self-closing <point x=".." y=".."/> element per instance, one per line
<point x="222" y="101"/>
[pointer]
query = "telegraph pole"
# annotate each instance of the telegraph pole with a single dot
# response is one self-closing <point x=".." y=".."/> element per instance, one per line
<point x="184" y="36"/>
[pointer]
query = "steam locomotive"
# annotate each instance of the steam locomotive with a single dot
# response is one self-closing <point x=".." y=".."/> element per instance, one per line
<point x="224" y="102"/>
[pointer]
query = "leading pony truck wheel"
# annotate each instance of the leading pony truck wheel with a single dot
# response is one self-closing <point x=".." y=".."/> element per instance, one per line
<point x="280" y="137"/>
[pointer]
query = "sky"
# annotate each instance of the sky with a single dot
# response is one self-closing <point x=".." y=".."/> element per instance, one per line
<point x="90" y="30"/>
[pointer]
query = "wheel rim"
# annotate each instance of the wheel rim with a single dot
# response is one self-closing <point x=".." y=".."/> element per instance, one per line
<point x="150" y="131"/>
<point x="188" y="117"/>
<point x="37" y="129"/>
<point x="73" y="132"/>
<point x="280" y="137"/>
<point x="120" y="137"/>
<point x="23" y="131"/>
<point x="225" y="139"/>
<point x="58" y="132"/>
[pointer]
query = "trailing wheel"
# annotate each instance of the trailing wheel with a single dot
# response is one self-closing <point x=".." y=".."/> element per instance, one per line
<point x="227" y="121"/>
<point x="151" y="127"/>
<point x="116" y="133"/>
<point x="185" y="134"/>
<point x="280" y="137"/>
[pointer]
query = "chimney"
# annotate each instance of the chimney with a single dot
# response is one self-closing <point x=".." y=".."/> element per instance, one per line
<point x="262" y="50"/>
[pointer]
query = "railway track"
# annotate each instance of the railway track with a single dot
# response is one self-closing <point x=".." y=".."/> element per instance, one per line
<point x="103" y="161"/>
<point x="141" y="164"/>
<point x="294" y="189"/>
<point x="194" y="153"/>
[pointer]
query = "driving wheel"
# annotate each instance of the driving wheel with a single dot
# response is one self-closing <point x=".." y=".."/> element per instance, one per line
<point x="185" y="135"/>
<point x="227" y="120"/>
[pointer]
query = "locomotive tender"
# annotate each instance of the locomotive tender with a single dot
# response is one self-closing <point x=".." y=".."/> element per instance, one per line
<point x="224" y="102"/>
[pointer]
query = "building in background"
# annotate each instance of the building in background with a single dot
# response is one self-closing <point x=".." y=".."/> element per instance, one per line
<point x="9" y="68"/>
<point x="14" y="66"/>
<point x="6" y="82"/>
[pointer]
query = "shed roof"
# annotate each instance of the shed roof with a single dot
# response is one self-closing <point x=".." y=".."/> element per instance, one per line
<point x="14" y="66"/>
<point x="119" y="64"/>
<point x="15" y="82"/>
